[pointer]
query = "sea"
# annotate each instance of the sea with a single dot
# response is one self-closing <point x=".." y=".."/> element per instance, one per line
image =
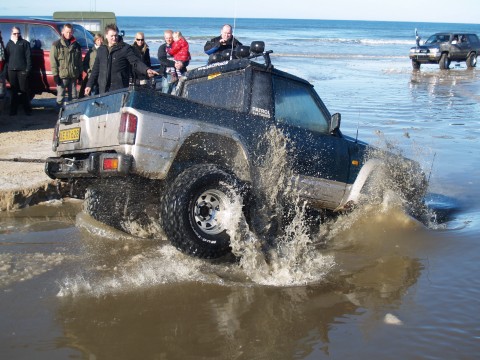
<point x="382" y="286"/>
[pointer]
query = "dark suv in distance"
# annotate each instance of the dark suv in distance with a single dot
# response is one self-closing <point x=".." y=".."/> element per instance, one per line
<point x="443" y="48"/>
<point x="41" y="34"/>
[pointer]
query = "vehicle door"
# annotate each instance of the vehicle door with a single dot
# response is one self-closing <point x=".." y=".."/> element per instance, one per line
<point x="457" y="47"/>
<point x="464" y="46"/>
<point x="319" y="158"/>
<point x="41" y="38"/>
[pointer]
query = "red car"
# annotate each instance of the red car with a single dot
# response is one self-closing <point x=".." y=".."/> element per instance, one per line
<point x="41" y="34"/>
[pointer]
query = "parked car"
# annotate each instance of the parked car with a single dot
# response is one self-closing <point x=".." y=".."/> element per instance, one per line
<point x="41" y="34"/>
<point x="443" y="48"/>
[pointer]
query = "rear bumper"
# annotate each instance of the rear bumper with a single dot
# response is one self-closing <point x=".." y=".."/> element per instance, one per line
<point x="93" y="166"/>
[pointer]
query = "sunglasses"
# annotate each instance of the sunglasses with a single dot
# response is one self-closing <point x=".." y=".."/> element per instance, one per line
<point x="15" y="33"/>
<point x="139" y="39"/>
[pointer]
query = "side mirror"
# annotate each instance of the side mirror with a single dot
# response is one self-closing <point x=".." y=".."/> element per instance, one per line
<point x="257" y="47"/>
<point x="335" y="122"/>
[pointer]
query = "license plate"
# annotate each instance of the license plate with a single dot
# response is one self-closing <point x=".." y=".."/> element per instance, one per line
<point x="69" y="135"/>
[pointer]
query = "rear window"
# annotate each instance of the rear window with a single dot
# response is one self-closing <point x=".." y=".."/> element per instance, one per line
<point x="219" y="90"/>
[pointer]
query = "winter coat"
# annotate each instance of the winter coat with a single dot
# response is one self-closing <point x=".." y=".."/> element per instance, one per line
<point x="18" y="56"/>
<point x="112" y="67"/>
<point x="66" y="60"/>
<point x="143" y="53"/>
<point x="179" y="50"/>
<point x="89" y="60"/>
<point x="213" y="45"/>
<point x="165" y="59"/>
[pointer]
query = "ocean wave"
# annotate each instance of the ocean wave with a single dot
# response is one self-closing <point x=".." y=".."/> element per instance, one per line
<point x="352" y="41"/>
<point x="338" y="56"/>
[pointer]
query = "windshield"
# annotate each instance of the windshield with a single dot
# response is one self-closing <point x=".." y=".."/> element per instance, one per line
<point x="437" y="39"/>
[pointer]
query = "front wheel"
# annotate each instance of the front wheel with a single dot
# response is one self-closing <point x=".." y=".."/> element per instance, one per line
<point x="444" y="61"/>
<point x="471" y="60"/>
<point x="415" y="65"/>
<point x="195" y="211"/>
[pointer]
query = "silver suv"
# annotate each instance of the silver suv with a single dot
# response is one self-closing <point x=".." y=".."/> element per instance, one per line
<point x="443" y="48"/>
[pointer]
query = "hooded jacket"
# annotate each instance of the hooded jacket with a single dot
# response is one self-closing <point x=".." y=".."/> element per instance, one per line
<point x="112" y="67"/>
<point x="66" y="59"/>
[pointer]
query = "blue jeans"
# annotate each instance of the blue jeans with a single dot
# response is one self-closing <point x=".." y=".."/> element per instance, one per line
<point x="167" y="87"/>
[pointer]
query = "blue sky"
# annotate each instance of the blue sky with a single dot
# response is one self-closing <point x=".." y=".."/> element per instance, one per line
<point x="456" y="11"/>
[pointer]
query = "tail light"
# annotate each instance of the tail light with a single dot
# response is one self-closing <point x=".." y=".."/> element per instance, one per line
<point x="128" y="128"/>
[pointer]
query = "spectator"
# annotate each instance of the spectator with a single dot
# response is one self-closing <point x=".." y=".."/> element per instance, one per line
<point x="2" y="67"/>
<point x="88" y="62"/>
<point x="143" y="53"/>
<point x="167" y="64"/>
<point x="180" y="52"/>
<point x="225" y="41"/>
<point x="112" y="65"/>
<point x="66" y="62"/>
<point x="19" y="62"/>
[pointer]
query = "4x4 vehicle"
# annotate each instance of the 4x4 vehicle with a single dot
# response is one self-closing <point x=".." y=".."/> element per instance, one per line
<point x="175" y="161"/>
<point x="41" y="34"/>
<point x="443" y="48"/>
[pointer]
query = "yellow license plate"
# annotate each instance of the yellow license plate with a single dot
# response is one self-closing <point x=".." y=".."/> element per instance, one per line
<point x="69" y="135"/>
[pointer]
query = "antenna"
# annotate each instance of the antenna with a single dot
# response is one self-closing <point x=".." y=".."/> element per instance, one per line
<point x="233" y="30"/>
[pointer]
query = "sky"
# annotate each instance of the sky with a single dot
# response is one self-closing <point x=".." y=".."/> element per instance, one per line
<point x="451" y="11"/>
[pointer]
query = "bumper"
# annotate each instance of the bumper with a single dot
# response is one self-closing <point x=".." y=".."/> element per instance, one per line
<point x="95" y="165"/>
<point x="425" y="58"/>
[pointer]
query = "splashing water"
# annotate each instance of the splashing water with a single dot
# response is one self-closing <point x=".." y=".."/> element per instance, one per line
<point x="289" y="257"/>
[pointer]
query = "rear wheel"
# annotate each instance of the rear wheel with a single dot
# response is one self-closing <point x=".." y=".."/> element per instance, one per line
<point x="444" y="61"/>
<point x="472" y="60"/>
<point x="415" y="64"/>
<point x="195" y="211"/>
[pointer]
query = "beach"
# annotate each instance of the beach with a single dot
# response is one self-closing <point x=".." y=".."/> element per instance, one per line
<point x="24" y="142"/>
<point x="380" y="286"/>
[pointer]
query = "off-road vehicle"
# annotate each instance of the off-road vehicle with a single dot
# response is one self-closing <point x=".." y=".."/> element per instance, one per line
<point x="443" y="48"/>
<point x="177" y="161"/>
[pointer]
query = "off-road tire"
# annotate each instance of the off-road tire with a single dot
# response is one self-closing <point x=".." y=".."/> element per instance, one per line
<point x="444" y="62"/>
<point x="471" y="60"/>
<point x="117" y="202"/>
<point x="190" y="211"/>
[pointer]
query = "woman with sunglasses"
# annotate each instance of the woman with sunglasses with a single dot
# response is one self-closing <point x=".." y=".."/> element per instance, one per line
<point x="142" y="51"/>
<point x="19" y="63"/>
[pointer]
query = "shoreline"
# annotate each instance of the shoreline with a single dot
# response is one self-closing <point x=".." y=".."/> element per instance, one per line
<point x="25" y="141"/>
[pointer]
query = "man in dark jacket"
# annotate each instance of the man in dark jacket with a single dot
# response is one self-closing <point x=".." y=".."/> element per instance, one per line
<point x="19" y="62"/>
<point x="66" y="62"/>
<point x="112" y="66"/>
<point x="226" y="41"/>
<point x="167" y="64"/>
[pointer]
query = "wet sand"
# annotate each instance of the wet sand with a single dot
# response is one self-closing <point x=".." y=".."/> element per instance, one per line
<point x="25" y="141"/>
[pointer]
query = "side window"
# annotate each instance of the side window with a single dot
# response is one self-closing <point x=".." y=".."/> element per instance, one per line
<point x="261" y="103"/>
<point x="472" y="38"/>
<point x="296" y="105"/>
<point x="42" y="36"/>
<point x="6" y="29"/>
<point x="219" y="90"/>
